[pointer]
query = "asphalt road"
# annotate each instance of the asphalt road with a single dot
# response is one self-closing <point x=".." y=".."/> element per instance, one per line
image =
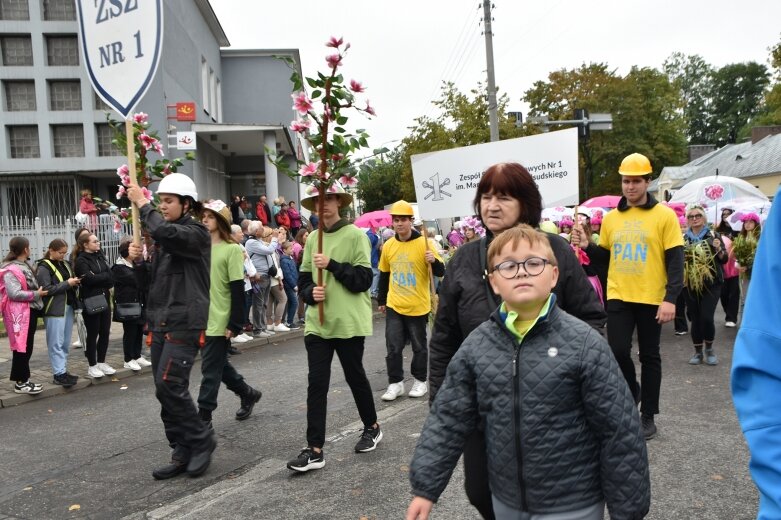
<point x="95" y="449"/>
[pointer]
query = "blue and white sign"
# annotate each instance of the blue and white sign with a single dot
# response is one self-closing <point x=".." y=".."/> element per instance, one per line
<point x="121" y="41"/>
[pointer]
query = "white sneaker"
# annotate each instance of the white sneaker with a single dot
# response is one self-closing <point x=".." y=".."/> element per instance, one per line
<point x="76" y="344"/>
<point x="245" y="336"/>
<point x="281" y="328"/>
<point x="95" y="372"/>
<point x="263" y="334"/>
<point x="270" y="329"/>
<point x="106" y="369"/>
<point x="394" y="390"/>
<point x="143" y="362"/>
<point x="133" y="365"/>
<point x="730" y="324"/>
<point x="238" y="339"/>
<point x="419" y="389"/>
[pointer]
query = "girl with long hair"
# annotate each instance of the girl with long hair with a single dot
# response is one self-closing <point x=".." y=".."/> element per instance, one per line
<point x="21" y="300"/>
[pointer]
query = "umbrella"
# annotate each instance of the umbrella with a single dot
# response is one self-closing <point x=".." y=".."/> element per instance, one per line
<point x="557" y="214"/>
<point x="603" y="201"/>
<point x="81" y="328"/>
<point x="374" y="219"/>
<point x="720" y="192"/>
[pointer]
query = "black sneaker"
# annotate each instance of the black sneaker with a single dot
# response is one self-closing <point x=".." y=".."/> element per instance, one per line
<point x="649" y="428"/>
<point x="369" y="440"/>
<point x="306" y="460"/>
<point x="248" y="402"/>
<point x="65" y="380"/>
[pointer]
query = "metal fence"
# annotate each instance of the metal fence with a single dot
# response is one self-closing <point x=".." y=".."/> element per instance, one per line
<point x="41" y="231"/>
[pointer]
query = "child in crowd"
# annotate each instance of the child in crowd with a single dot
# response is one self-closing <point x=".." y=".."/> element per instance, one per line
<point x="290" y="283"/>
<point x="562" y="431"/>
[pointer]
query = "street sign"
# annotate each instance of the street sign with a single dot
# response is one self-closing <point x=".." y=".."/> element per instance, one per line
<point x="185" y="141"/>
<point x="121" y="42"/>
<point x="446" y="181"/>
<point x="601" y="121"/>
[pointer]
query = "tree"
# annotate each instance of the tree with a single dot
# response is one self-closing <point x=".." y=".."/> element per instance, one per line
<point x="463" y="122"/>
<point x="737" y="94"/>
<point x="693" y="77"/>
<point x="379" y="181"/>
<point x="771" y="107"/>
<point x="647" y="118"/>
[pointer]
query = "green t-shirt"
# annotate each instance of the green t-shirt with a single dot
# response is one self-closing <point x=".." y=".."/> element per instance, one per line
<point x="227" y="266"/>
<point x="347" y="314"/>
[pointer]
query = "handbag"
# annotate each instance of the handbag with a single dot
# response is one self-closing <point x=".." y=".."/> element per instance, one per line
<point x="95" y="304"/>
<point x="127" y="311"/>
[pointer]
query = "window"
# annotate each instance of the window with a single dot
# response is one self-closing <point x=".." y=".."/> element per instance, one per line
<point x="24" y="142"/>
<point x="59" y="10"/>
<point x="17" y="50"/>
<point x="213" y="94"/>
<point x="65" y="95"/>
<point x="62" y="50"/>
<point x="14" y="10"/>
<point x="105" y="147"/>
<point x="23" y="201"/>
<point x="218" y="109"/>
<point x="204" y="85"/>
<point x="100" y="104"/>
<point x="19" y="95"/>
<point x="68" y="140"/>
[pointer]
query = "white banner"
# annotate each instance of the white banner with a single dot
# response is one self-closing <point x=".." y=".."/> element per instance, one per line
<point x="121" y="41"/>
<point x="446" y="181"/>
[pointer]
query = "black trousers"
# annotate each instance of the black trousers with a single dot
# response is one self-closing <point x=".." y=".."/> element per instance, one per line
<point x="681" y="325"/>
<point x="98" y="328"/>
<point x="730" y="298"/>
<point x="476" y="475"/>
<point x="20" y="361"/>
<point x="173" y="355"/>
<point x="399" y="328"/>
<point x="622" y="319"/>
<point x="700" y="309"/>
<point x="132" y="340"/>
<point x="216" y="368"/>
<point x="320" y="353"/>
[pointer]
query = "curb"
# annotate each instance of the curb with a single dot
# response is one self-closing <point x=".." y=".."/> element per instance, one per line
<point x="52" y="390"/>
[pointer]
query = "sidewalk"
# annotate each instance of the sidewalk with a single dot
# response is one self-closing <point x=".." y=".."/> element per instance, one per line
<point x="40" y="368"/>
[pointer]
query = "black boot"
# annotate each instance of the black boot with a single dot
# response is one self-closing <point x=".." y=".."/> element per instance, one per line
<point x="206" y="417"/>
<point x="649" y="428"/>
<point x="174" y="468"/>
<point x="248" y="400"/>
<point x="200" y="460"/>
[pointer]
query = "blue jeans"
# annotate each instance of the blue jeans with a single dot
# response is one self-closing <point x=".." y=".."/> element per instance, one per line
<point x="58" y="339"/>
<point x="292" y="304"/>
<point x="375" y="288"/>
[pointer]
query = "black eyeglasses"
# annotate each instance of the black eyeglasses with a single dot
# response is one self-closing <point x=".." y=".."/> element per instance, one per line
<point x="533" y="266"/>
<point x="692" y="217"/>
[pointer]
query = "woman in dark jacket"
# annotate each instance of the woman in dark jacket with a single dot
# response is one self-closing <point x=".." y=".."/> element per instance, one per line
<point x="56" y="275"/>
<point x="506" y="195"/>
<point x="131" y="286"/>
<point x="96" y="279"/>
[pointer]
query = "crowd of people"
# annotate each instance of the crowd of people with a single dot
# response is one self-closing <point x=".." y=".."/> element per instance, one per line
<point x="531" y="331"/>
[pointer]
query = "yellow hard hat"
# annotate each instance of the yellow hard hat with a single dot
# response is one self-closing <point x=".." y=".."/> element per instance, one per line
<point x="402" y="208"/>
<point x="635" y="164"/>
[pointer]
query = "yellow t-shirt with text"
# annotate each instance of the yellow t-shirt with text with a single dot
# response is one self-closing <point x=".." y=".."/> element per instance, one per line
<point x="409" y="289"/>
<point x="637" y="240"/>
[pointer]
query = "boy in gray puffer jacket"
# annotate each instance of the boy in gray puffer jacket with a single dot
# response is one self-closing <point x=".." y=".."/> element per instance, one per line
<point x="563" y="436"/>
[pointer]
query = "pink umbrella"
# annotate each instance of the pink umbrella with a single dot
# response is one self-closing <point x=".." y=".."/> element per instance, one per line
<point x="603" y="201"/>
<point x="374" y="219"/>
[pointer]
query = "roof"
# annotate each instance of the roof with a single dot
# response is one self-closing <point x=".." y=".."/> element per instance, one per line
<point x="742" y="160"/>
<point x="210" y="17"/>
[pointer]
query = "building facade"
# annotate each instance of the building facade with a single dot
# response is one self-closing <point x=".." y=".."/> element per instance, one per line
<point x="55" y="138"/>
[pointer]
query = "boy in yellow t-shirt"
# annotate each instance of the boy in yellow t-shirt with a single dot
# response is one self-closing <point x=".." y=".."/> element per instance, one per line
<point x="405" y="298"/>
<point x="642" y="244"/>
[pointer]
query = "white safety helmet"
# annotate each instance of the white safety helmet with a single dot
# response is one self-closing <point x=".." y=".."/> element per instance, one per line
<point x="178" y="184"/>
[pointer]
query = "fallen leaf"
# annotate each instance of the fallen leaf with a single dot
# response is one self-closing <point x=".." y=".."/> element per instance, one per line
<point x="357" y="492"/>
<point x="404" y="468"/>
<point x="50" y="410"/>
<point x="688" y="382"/>
<point x="363" y="518"/>
<point x="123" y="387"/>
<point x="28" y="488"/>
<point x="716" y="477"/>
<point x="115" y="379"/>
<point x="74" y="507"/>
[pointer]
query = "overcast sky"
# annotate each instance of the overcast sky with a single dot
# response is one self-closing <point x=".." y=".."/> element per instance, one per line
<point x="402" y="49"/>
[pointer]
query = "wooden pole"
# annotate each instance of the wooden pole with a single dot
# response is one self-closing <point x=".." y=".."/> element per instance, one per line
<point x="432" y="287"/>
<point x="131" y="165"/>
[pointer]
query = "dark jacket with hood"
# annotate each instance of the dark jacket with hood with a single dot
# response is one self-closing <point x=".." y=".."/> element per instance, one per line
<point x="562" y="430"/>
<point x="130" y="285"/>
<point x="95" y="275"/>
<point x="466" y="300"/>
<point x="179" y="278"/>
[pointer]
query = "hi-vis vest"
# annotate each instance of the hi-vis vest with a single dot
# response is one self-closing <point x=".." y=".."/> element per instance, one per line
<point x="60" y="279"/>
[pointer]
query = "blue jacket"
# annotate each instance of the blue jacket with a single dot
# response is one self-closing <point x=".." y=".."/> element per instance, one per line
<point x="756" y="368"/>
<point x="289" y="271"/>
<point x="374" y="240"/>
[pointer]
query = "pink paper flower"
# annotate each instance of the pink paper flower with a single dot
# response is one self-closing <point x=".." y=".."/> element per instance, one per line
<point x="714" y="191"/>
<point x="147" y="194"/>
<point x="308" y="170"/>
<point x="150" y="143"/>
<point x="356" y="86"/>
<point x="140" y="118"/>
<point x="334" y="60"/>
<point x="123" y="213"/>
<point x="301" y="103"/>
<point x="122" y="192"/>
<point x="124" y="174"/>
<point x="301" y="125"/>
<point x="117" y="225"/>
<point x="334" y="42"/>
<point x="347" y="181"/>
<point x="749" y="216"/>
<point x="369" y="109"/>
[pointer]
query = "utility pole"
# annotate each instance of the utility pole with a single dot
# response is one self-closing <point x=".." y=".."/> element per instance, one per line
<point x="493" y="118"/>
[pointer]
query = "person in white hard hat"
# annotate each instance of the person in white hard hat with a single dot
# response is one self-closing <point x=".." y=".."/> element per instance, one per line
<point x="177" y="315"/>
